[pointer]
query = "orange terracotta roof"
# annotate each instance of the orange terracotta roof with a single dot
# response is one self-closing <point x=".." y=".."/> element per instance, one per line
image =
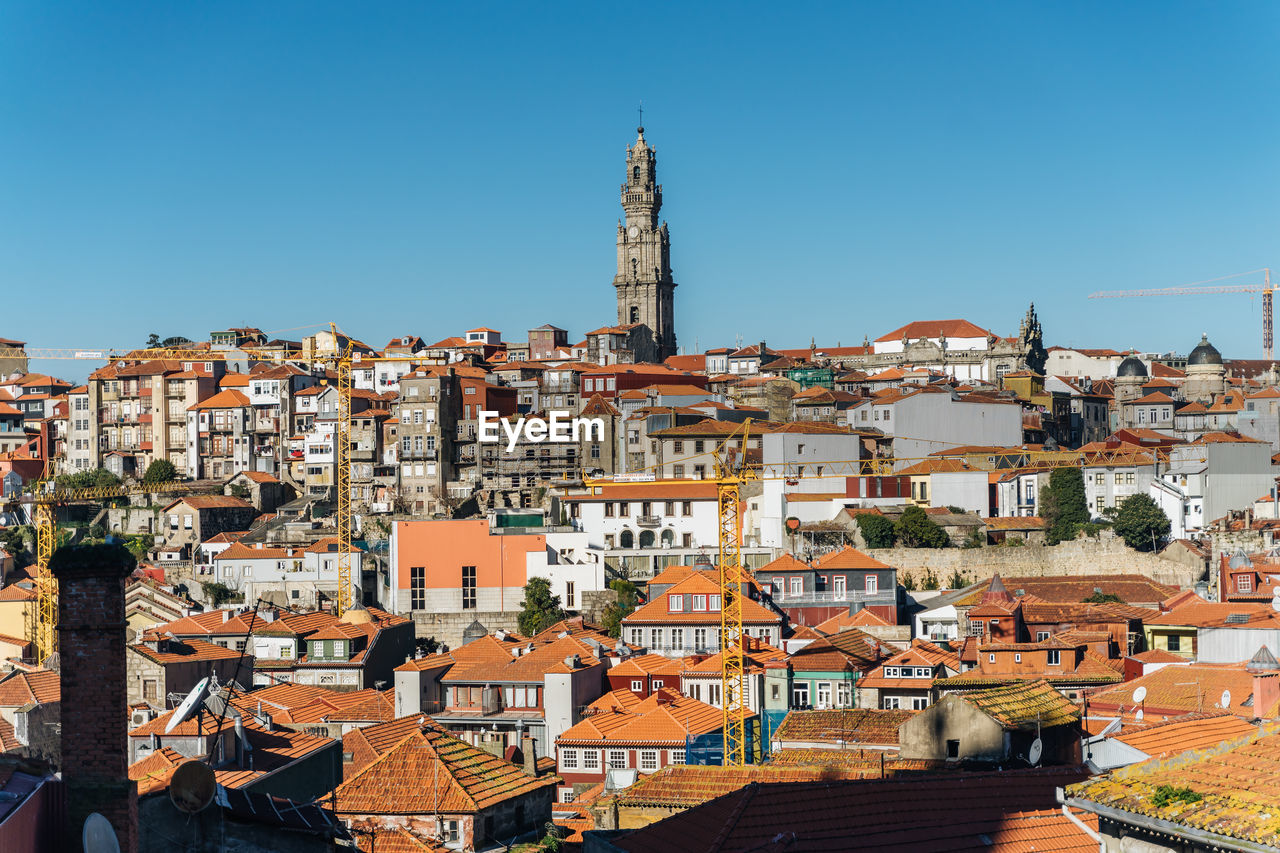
<point x="22" y="688"/>
<point x="848" y="557"/>
<point x="186" y="651"/>
<point x="753" y="612"/>
<point x="210" y="502"/>
<point x="934" y="329"/>
<point x="1235" y="788"/>
<point x="1181" y="689"/>
<point x="1195" y="731"/>
<point x="665" y="717"/>
<point x="430" y="770"/>
<point x="849" y="725"/>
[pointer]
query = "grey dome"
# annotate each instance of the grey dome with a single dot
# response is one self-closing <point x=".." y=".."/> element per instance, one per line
<point x="1131" y="366"/>
<point x="1204" y="353"/>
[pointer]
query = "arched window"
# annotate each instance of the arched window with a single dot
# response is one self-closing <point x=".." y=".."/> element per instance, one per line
<point x="626" y="539"/>
<point x="668" y="538"/>
<point x="646" y="538"/>
<point x="635" y="314"/>
<point x="635" y="174"/>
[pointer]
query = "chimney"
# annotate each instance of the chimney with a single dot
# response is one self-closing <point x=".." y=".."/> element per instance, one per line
<point x="529" y="751"/>
<point x="1266" y="692"/>
<point x="226" y="614"/>
<point x="95" y="713"/>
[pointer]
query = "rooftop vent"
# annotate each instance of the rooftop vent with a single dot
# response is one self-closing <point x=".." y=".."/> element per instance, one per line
<point x="1237" y="618"/>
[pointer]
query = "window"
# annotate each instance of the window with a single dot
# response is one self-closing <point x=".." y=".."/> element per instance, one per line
<point x="873" y="584"/>
<point x="686" y="540"/>
<point x="699" y="446"/>
<point x="677" y="446"/>
<point x="569" y="759"/>
<point x="648" y="759"/>
<point x="1017" y="657"/>
<point x="891" y="703"/>
<point x="637" y="636"/>
<point x="655" y="684"/>
<point x="797" y="587"/>
<point x="776" y="585"/>
<point x="677" y="638"/>
<point x="149" y="689"/>
<point x="569" y="600"/>
<point x="800" y="694"/>
<point x="844" y="695"/>
<point x="1244" y="583"/>
<point x="676" y="756"/>
<point x="1100" y="503"/>
<point x="677" y="471"/>
<point x="699" y="638"/>
<point x="655" y="638"/>
<point x="608" y="509"/>
<point x="1055" y="657"/>
<point x="824" y="694"/>
<point x="617" y="759"/>
<point x="1099" y="478"/>
<point x="418" y="588"/>
<point x="468" y="587"/>
<point x="1174" y="643"/>
<point x="713" y="603"/>
<point x="991" y="658"/>
<point x="1041" y="636"/>
<point x="919" y="703"/>
<point x="699" y="603"/>
<point x="686" y="508"/>
<point x="838" y="587"/>
<point x="675" y="603"/>
<point x="590" y="759"/>
<point x="637" y="685"/>
<point x="953" y="749"/>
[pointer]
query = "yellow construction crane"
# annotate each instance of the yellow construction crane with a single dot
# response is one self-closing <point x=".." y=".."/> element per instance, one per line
<point x="730" y="473"/>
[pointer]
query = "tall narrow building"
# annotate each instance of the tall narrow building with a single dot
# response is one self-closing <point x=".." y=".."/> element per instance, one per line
<point x="646" y="290"/>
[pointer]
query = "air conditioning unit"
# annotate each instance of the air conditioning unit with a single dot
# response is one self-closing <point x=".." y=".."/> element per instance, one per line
<point x="140" y="717"/>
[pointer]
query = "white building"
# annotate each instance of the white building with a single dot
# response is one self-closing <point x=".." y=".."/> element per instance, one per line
<point x="796" y="460"/>
<point x="924" y="420"/>
<point x="287" y="576"/>
<point x="647" y="515"/>
<point x="571" y="565"/>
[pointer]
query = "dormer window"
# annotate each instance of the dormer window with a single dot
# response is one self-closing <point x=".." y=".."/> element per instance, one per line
<point x="675" y="603"/>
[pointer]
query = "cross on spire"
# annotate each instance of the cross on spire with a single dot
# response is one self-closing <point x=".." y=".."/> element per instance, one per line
<point x="641" y="111"/>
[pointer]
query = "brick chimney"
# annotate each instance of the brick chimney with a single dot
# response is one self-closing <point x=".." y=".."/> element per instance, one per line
<point x="1266" y="692"/>
<point x="95" y="714"/>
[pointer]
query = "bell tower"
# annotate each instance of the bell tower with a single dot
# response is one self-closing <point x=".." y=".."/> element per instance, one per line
<point x="646" y="290"/>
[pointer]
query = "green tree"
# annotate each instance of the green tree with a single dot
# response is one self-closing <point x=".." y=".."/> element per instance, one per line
<point x="217" y="593"/>
<point x="916" y="530"/>
<point x="930" y="580"/>
<point x="20" y="543"/>
<point x="877" y="531"/>
<point x="1141" y="522"/>
<point x="1103" y="598"/>
<point x="100" y="478"/>
<point x="1063" y="505"/>
<point x="160" y="471"/>
<point x="240" y="490"/>
<point x="540" y="609"/>
<point x="153" y="341"/>
<point x="908" y="581"/>
<point x="957" y="580"/>
<point x="616" y="611"/>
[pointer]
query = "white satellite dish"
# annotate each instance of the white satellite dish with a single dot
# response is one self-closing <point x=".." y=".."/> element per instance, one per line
<point x="1225" y="699"/>
<point x="1275" y="602"/>
<point x="1037" y="749"/>
<point x="99" y="835"/>
<point x="1140" y="694"/>
<point x="189" y="706"/>
<point x="1138" y="716"/>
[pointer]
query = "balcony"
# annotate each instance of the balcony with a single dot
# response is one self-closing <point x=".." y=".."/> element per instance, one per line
<point x="649" y="520"/>
<point x="267" y="425"/>
<point x="832" y="597"/>
<point x="411" y="455"/>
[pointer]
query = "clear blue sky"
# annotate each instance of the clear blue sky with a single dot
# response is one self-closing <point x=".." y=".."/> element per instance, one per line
<point x="830" y="170"/>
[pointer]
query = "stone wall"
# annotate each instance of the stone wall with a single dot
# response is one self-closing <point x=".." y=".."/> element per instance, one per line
<point x="1104" y="555"/>
<point x="594" y="603"/>
<point x="447" y="628"/>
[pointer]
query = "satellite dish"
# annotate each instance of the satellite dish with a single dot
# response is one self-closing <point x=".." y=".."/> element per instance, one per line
<point x="1225" y="699"/>
<point x="1140" y="694"/>
<point x="189" y="705"/>
<point x="192" y="786"/>
<point x="1138" y="716"/>
<point x="99" y="835"/>
<point x="1037" y="749"/>
<point x="1275" y="602"/>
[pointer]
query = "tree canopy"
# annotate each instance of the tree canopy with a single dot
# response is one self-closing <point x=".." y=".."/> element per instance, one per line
<point x="877" y="531"/>
<point x="100" y="478"/>
<point x="915" y="529"/>
<point x="1063" y="505"/>
<point x="160" y="471"/>
<point x="628" y="597"/>
<point x="1141" y="522"/>
<point x="540" y="608"/>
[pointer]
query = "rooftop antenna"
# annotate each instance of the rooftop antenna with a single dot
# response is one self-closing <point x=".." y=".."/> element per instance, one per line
<point x="192" y="787"/>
